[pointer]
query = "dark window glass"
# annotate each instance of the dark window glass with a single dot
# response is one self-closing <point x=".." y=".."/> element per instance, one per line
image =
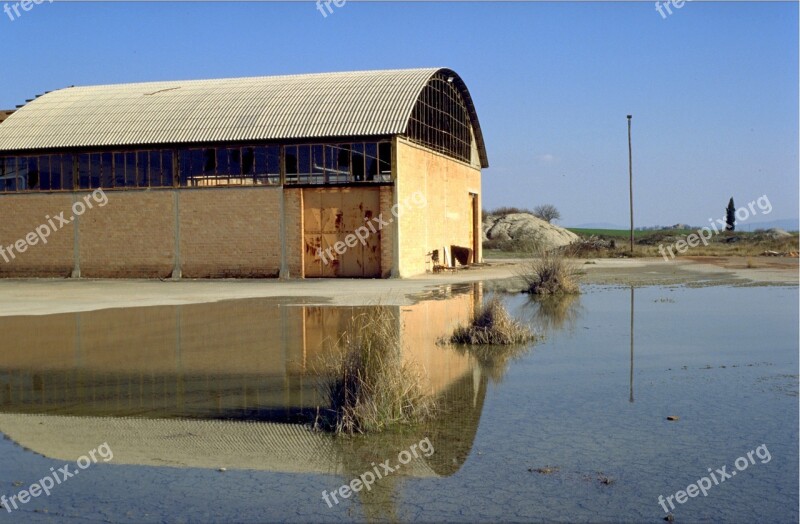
<point x="83" y="171"/>
<point x="209" y="161"/>
<point x="385" y="160"/>
<point x="141" y="169"/>
<point x="344" y="160"/>
<point x="167" y="169"/>
<point x="235" y="162"/>
<point x="291" y="160"/>
<point x="33" y="173"/>
<point x="303" y="159"/>
<point x="223" y="162"/>
<point x="331" y="163"/>
<point x="22" y="174"/>
<point x="119" y="169"/>
<point x="107" y="168"/>
<point x="358" y="162"/>
<point x="9" y="170"/>
<point x="273" y="165"/>
<point x="96" y="163"/>
<point x="184" y="167"/>
<point x="67" y="171"/>
<point x="198" y="161"/>
<point x="248" y="161"/>
<point x="371" y="155"/>
<point x="45" y="173"/>
<point x="260" y="161"/>
<point x="318" y="160"/>
<point x="130" y="169"/>
<point x="10" y="175"/>
<point x="156" y="173"/>
<point x="5" y="173"/>
<point x="54" y="174"/>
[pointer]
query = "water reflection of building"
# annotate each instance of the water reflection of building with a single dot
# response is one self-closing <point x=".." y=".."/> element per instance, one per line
<point x="213" y="385"/>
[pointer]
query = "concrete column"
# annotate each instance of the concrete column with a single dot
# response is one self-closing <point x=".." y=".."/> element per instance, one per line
<point x="76" y="242"/>
<point x="284" y="271"/>
<point x="176" y="207"/>
<point x="395" y="226"/>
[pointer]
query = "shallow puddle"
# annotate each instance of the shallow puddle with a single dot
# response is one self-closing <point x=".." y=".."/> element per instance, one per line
<point x="206" y="408"/>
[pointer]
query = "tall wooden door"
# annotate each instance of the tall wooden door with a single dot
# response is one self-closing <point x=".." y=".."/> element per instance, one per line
<point x="343" y="215"/>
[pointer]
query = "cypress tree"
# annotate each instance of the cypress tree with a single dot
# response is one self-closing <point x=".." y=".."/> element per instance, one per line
<point x="730" y="216"/>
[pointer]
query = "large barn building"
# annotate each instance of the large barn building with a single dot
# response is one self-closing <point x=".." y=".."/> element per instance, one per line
<point x="355" y="174"/>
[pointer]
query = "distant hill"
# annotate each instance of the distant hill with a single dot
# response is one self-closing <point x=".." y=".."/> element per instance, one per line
<point x="787" y="224"/>
<point x="597" y="225"/>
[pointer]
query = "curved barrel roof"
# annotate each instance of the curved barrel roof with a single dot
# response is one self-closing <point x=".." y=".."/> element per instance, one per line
<point x="323" y="105"/>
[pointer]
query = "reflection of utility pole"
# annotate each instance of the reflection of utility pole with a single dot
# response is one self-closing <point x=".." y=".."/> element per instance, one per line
<point x="631" y="399"/>
<point x="630" y="176"/>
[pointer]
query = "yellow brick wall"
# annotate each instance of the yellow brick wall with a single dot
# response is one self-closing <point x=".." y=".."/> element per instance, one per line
<point x="131" y="236"/>
<point x="230" y="232"/>
<point x="20" y="215"/>
<point x="447" y="219"/>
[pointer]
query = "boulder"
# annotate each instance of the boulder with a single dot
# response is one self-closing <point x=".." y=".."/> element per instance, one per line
<point x="524" y="228"/>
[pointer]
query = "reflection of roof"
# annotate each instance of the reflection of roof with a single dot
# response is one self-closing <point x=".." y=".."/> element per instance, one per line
<point x="186" y="443"/>
<point x="358" y="103"/>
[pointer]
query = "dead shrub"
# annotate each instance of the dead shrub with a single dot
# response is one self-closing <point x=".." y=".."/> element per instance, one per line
<point x="549" y="273"/>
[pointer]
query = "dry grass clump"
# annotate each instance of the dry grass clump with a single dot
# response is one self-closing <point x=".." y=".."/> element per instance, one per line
<point x="492" y="326"/>
<point x="370" y="387"/>
<point x="548" y="273"/>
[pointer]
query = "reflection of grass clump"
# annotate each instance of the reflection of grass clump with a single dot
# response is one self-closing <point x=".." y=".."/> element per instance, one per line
<point x="556" y="312"/>
<point x="492" y="326"/>
<point x="550" y="273"/>
<point x="371" y="388"/>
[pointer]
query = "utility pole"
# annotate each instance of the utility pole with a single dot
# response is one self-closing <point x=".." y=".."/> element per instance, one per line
<point x="630" y="176"/>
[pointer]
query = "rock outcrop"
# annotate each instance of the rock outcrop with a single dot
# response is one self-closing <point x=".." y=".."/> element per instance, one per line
<point x="525" y="229"/>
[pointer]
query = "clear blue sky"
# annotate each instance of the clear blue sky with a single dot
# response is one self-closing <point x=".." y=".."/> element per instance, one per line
<point x="713" y="88"/>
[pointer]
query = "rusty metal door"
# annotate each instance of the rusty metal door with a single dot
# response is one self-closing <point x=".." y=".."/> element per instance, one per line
<point x="333" y="217"/>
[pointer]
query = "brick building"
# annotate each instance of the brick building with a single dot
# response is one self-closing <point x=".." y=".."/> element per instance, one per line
<point x="356" y="174"/>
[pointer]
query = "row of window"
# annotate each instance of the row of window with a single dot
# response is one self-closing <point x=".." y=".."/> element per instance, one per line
<point x="199" y="167"/>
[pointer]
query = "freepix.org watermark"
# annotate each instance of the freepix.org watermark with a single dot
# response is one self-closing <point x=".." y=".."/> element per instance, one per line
<point x="323" y="5"/>
<point x="677" y="4"/>
<point x="372" y="226"/>
<point x="52" y="224"/>
<point x="384" y="469"/>
<point x="56" y="477"/>
<point x="715" y="478"/>
<point x="705" y="233"/>
<point x="26" y="5"/>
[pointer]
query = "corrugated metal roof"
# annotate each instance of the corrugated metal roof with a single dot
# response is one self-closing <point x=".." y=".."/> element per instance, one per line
<point x="320" y="105"/>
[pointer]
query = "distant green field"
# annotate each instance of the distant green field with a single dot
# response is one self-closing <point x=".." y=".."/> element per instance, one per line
<point x="624" y="233"/>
